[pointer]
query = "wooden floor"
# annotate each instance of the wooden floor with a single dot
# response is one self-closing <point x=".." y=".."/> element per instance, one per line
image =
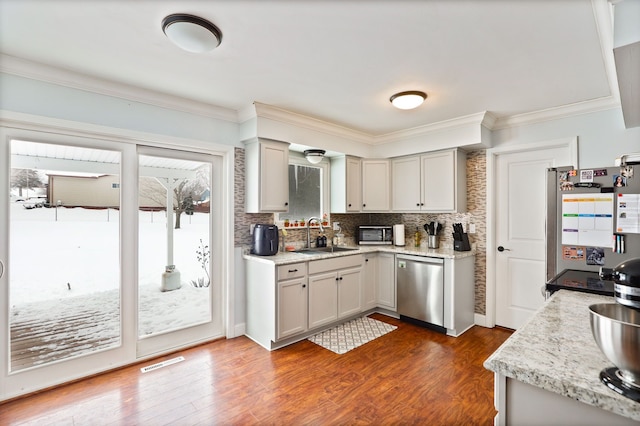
<point x="409" y="376"/>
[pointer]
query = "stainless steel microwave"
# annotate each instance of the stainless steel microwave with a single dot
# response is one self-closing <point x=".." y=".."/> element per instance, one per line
<point x="374" y="235"/>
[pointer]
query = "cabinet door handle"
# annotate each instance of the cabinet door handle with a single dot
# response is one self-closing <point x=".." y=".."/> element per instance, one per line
<point x="349" y="204"/>
<point x="304" y="286"/>
<point x="293" y="270"/>
<point x="417" y="204"/>
<point x="364" y="205"/>
<point x="286" y="204"/>
<point x="421" y="204"/>
<point x="366" y="260"/>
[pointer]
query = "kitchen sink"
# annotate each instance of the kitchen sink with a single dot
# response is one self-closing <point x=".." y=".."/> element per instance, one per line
<point x="332" y="249"/>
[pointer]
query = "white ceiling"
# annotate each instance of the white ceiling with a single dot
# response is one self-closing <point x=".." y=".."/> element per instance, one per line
<point x="338" y="60"/>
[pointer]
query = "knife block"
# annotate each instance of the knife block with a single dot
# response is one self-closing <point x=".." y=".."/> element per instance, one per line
<point x="461" y="242"/>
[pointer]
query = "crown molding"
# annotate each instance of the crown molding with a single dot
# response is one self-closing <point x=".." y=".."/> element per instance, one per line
<point x="63" y="77"/>
<point x="67" y="78"/>
<point x="310" y="123"/>
<point x="467" y="120"/>
<point x="557" y="113"/>
<point x="261" y="110"/>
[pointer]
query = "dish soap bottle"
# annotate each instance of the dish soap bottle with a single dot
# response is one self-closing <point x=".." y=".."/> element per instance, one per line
<point x="418" y="237"/>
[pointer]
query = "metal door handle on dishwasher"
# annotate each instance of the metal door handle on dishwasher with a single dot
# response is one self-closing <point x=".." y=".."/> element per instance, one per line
<point x="423" y="259"/>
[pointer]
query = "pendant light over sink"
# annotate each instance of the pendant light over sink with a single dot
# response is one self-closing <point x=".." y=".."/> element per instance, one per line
<point x="408" y="100"/>
<point x="191" y="33"/>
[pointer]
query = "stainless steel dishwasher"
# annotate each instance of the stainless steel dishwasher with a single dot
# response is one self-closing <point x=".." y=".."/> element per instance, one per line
<point x="420" y="284"/>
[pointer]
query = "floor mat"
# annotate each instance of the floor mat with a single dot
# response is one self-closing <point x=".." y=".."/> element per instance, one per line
<point x="350" y="335"/>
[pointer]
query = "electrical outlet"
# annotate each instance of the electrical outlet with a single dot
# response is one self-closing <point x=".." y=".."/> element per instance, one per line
<point x="472" y="228"/>
<point x="336" y="226"/>
<point x="251" y="228"/>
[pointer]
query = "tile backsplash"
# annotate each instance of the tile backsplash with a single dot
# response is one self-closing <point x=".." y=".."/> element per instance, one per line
<point x="475" y="214"/>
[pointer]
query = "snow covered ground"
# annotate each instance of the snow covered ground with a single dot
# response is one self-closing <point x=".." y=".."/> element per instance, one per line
<point x="69" y="259"/>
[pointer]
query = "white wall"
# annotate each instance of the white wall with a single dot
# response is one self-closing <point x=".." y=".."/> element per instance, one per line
<point x="601" y="136"/>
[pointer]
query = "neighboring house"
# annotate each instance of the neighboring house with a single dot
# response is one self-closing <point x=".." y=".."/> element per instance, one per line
<point x="99" y="191"/>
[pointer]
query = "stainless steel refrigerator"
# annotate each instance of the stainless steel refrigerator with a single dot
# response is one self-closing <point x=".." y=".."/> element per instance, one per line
<point x="592" y="218"/>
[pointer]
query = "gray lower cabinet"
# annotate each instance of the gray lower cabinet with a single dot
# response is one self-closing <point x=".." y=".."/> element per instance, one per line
<point x="323" y="299"/>
<point x="291" y="296"/>
<point x="369" y="281"/>
<point x="335" y="287"/>
<point x="285" y="303"/>
<point x="292" y="307"/>
<point x="386" y="281"/>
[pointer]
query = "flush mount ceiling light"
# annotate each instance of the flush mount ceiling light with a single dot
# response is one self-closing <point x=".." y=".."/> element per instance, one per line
<point x="191" y="33"/>
<point x="408" y="100"/>
<point x="314" y="156"/>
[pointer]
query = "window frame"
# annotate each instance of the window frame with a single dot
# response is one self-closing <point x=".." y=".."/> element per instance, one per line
<point x="297" y="158"/>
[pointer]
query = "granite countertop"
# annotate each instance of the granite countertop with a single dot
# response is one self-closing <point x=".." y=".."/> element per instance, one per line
<point x="284" y="258"/>
<point x="556" y="351"/>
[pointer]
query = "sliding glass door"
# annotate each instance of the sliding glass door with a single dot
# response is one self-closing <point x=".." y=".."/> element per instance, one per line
<point x="113" y="253"/>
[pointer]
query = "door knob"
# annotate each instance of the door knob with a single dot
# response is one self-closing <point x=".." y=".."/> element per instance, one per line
<point x="501" y="249"/>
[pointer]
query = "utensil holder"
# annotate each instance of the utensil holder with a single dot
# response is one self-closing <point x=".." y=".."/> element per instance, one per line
<point x="433" y="242"/>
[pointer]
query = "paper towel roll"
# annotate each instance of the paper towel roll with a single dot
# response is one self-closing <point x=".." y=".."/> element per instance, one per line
<point x="398" y="235"/>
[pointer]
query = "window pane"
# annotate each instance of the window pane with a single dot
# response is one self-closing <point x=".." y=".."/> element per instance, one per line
<point x="64" y="244"/>
<point x="174" y="250"/>
<point x="305" y="192"/>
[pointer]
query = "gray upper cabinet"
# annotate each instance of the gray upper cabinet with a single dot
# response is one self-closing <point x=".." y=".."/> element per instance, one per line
<point x="376" y="185"/>
<point x="406" y="182"/>
<point x="434" y="182"/>
<point x="346" y="184"/>
<point x="266" y="176"/>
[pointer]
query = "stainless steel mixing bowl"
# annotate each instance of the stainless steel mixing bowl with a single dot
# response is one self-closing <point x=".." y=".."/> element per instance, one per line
<point x="616" y="329"/>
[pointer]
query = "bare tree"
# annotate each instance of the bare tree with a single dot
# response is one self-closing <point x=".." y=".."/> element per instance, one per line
<point x="26" y="178"/>
<point x="184" y="192"/>
<point x="189" y="190"/>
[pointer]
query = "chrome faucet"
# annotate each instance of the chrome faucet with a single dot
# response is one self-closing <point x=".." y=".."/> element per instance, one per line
<point x="317" y="219"/>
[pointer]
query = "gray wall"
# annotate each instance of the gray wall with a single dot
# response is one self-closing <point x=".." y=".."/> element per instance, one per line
<point x="601" y="136"/>
<point x="24" y="95"/>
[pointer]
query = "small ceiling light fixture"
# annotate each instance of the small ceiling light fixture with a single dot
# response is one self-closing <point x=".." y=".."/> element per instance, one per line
<point x="314" y="156"/>
<point x="191" y="33"/>
<point x="408" y="100"/>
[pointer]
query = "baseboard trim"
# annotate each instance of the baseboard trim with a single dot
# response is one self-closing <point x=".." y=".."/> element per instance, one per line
<point x="481" y="320"/>
<point x="239" y="330"/>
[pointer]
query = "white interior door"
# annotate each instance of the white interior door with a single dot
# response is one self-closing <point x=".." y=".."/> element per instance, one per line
<point x="520" y="243"/>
